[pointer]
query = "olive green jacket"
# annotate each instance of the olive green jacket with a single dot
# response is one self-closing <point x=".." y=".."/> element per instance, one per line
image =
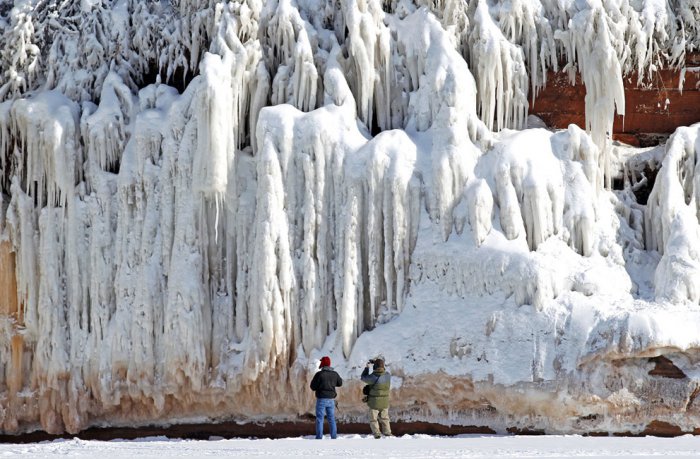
<point x="380" y="386"/>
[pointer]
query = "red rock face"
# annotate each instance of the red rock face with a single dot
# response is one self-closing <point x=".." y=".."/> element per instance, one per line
<point x="652" y="111"/>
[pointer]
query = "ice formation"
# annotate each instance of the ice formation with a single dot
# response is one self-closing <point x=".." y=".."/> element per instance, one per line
<point x="200" y="198"/>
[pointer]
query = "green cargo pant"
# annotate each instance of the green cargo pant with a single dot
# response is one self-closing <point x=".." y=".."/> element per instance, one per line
<point x="374" y="424"/>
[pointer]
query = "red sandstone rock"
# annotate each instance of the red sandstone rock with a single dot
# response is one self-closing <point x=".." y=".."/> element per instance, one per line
<point x="662" y="429"/>
<point x="666" y="368"/>
<point x="659" y="107"/>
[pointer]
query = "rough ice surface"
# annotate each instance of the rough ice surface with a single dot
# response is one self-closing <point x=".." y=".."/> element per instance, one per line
<point x="202" y="198"/>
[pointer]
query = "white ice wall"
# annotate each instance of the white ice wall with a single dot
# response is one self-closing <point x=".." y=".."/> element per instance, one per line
<point x="328" y="173"/>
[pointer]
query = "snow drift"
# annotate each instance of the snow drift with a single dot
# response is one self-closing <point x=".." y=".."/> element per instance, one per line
<point x="202" y="198"/>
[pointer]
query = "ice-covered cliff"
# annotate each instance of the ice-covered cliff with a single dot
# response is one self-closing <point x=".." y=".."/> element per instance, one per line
<point x="200" y="198"/>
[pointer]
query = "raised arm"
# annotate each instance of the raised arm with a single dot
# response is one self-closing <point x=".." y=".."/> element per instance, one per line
<point x="366" y="377"/>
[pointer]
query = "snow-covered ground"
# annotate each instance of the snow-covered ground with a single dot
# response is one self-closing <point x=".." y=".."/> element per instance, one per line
<point x="408" y="446"/>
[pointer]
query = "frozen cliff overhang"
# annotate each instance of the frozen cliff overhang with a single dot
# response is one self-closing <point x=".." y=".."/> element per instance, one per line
<point x="201" y="198"/>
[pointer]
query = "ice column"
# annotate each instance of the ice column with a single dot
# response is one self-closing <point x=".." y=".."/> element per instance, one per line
<point x="368" y="44"/>
<point x="592" y="41"/>
<point x="672" y="219"/>
<point x="500" y="73"/>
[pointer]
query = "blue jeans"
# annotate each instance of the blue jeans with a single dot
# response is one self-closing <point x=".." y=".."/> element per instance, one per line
<point x="325" y="407"/>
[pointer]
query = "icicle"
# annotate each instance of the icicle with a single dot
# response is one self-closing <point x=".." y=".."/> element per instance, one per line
<point x="677" y="276"/>
<point x="52" y="156"/>
<point x="480" y="202"/>
<point x="509" y="208"/>
<point x="672" y="219"/>
<point x="258" y="101"/>
<point x="215" y="134"/>
<point x="591" y="39"/>
<point x="392" y="199"/>
<point x="369" y="50"/>
<point x="500" y="73"/>
<point x="305" y="76"/>
<point x="273" y="278"/>
<point x="104" y="128"/>
<point x="348" y="319"/>
<point x="23" y="226"/>
<point x="530" y="189"/>
<point x="438" y="79"/>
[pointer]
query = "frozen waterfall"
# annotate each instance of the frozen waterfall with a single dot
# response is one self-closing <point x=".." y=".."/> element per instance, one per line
<point x="200" y="198"/>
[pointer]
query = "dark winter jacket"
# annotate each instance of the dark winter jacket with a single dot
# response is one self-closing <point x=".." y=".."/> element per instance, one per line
<point x="325" y="381"/>
<point x="380" y="386"/>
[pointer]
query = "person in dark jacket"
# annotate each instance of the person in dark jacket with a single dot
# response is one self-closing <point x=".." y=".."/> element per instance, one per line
<point x="324" y="383"/>
<point x="379" y="382"/>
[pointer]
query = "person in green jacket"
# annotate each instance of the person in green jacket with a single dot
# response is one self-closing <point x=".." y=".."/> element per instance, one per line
<point x="379" y="382"/>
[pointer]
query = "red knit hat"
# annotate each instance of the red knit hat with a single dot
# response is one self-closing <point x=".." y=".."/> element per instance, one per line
<point x="325" y="362"/>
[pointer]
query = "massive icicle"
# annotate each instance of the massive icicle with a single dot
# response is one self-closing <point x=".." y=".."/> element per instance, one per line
<point x="672" y="221"/>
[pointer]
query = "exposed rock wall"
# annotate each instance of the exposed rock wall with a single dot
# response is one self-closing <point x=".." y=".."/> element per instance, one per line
<point x="669" y="100"/>
<point x="11" y="322"/>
